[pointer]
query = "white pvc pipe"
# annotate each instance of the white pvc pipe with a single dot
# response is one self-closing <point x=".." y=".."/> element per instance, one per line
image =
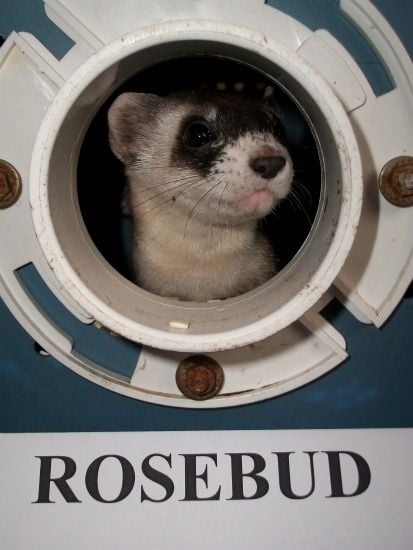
<point x="165" y="323"/>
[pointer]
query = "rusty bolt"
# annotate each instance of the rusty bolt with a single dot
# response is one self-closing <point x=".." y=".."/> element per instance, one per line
<point x="396" y="181"/>
<point x="199" y="377"/>
<point x="10" y="184"/>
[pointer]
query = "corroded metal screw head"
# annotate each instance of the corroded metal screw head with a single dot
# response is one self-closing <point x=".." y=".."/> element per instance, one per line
<point x="199" y="377"/>
<point x="10" y="184"/>
<point x="396" y="181"/>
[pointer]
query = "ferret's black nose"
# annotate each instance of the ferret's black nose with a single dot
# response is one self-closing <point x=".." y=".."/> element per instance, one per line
<point x="267" y="167"/>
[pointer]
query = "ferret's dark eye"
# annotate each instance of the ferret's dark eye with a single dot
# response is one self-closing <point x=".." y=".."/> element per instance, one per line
<point x="198" y="134"/>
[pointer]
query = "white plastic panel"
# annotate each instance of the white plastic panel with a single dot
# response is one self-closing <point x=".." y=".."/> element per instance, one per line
<point x="330" y="59"/>
<point x="380" y="265"/>
<point x="255" y="372"/>
<point x="25" y="75"/>
<point x="105" y="21"/>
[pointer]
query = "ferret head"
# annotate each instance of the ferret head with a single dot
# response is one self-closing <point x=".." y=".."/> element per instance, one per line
<point x="218" y="157"/>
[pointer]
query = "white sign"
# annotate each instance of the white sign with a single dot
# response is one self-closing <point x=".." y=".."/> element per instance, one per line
<point x="318" y="489"/>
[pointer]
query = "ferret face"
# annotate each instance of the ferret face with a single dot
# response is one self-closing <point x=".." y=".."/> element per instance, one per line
<point x="218" y="158"/>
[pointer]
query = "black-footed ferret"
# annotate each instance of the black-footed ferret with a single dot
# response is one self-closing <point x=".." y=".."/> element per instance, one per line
<point x="201" y="169"/>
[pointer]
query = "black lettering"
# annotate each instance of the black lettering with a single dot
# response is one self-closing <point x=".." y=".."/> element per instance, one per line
<point x="238" y="476"/>
<point x="45" y="479"/>
<point x="92" y="478"/>
<point x="336" y="478"/>
<point x="157" y="477"/>
<point x="284" y="473"/>
<point x="191" y="477"/>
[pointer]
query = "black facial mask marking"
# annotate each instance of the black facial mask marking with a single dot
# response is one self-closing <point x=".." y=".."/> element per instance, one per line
<point x="201" y="138"/>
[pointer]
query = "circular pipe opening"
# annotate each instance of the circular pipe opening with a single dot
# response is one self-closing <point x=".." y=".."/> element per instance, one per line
<point x="162" y="322"/>
<point x="101" y="181"/>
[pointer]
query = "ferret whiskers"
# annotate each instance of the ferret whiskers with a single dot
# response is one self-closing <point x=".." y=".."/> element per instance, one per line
<point x="194" y="179"/>
<point x="168" y="201"/>
<point x="298" y="205"/>
<point x="199" y="202"/>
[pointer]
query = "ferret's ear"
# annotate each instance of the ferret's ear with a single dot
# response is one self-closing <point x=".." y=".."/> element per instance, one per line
<point x="130" y="119"/>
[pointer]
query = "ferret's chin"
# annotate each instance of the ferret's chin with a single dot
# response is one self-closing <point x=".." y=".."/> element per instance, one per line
<point x="257" y="204"/>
